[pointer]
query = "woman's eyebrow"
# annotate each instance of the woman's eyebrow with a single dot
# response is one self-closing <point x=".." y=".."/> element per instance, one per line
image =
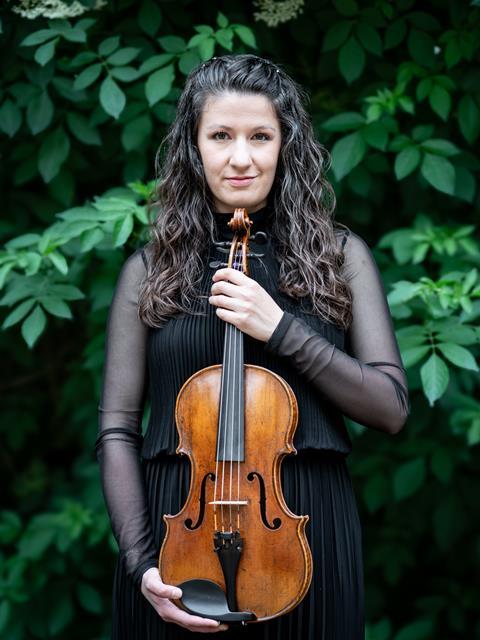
<point x="224" y="126"/>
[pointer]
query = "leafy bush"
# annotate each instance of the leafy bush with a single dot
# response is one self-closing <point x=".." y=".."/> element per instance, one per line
<point x="84" y="103"/>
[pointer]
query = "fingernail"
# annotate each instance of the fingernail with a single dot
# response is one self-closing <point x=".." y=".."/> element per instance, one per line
<point x="176" y="593"/>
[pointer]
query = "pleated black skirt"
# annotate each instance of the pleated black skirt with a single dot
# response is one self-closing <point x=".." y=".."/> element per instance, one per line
<point x="315" y="483"/>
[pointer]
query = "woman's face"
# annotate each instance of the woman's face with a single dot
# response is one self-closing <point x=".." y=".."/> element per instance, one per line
<point x="239" y="142"/>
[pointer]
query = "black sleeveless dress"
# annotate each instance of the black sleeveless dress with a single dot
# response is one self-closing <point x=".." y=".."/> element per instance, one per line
<point x="315" y="482"/>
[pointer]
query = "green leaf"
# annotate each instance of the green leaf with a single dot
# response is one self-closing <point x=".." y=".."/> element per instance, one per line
<point x="59" y="262"/>
<point x="56" y="307"/>
<point x="222" y="20"/>
<point x="407" y="161"/>
<point x="421" y="47"/>
<point x="414" y="354"/>
<point x="53" y="152"/>
<point x="395" y="33"/>
<point x="149" y="17"/>
<point x="369" y="38"/>
<point x="224" y="37"/>
<point x="439" y="172"/>
<point x="109" y="45"/>
<point x="376" y="135"/>
<point x="458" y="355"/>
<point x="33" y="327"/>
<point x="125" y="74"/>
<point x="159" y="84"/>
<point x="435" y="377"/>
<point x="136" y="132"/>
<point x="347" y="153"/>
<point x="122" y="230"/>
<point x="375" y="492"/>
<point x="4" y="271"/>
<point x="89" y="598"/>
<point x="173" y="44"/>
<point x="337" y="35"/>
<point x="45" y="52"/>
<point x="460" y="334"/>
<point x="419" y="630"/>
<point x="81" y="129"/>
<point x="440" y="147"/>
<point x="40" y="112"/>
<point x="25" y="240"/>
<point x="87" y="76"/>
<point x="351" y="60"/>
<point x="382" y="630"/>
<point x="408" y="478"/>
<point x="442" y="465"/>
<point x="90" y="238"/>
<point x="245" y="34"/>
<point x="72" y="34"/>
<point x="206" y="49"/>
<point x="60" y="615"/>
<point x="38" y="37"/>
<point x="154" y="62"/>
<point x="440" y="101"/>
<point x="18" y="314"/>
<point x="123" y="56"/>
<point x="85" y="57"/>
<point x="112" y="97"/>
<point x="344" y="121"/>
<point x="469" y="118"/>
<point x="465" y="184"/>
<point x="66" y="291"/>
<point x="188" y="61"/>
<point x="10" y="118"/>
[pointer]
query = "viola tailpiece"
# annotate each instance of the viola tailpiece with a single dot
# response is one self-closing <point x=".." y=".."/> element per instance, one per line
<point x="235" y="549"/>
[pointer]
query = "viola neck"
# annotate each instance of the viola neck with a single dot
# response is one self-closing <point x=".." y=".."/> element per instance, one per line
<point x="231" y="438"/>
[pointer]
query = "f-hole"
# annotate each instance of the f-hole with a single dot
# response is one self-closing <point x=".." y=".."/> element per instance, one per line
<point x="188" y="522"/>
<point x="263" y="501"/>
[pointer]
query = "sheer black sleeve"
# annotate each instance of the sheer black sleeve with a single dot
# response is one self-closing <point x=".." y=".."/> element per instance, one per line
<point x="369" y="386"/>
<point x="120" y="417"/>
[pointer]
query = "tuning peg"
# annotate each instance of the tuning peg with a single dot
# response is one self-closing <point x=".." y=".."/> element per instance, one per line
<point x="217" y="264"/>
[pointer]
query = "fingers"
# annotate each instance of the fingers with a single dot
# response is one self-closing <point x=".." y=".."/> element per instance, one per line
<point x="170" y="613"/>
<point x="173" y="614"/>
<point x="232" y="275"/>
<point x="153" y="583"/>
<point x="227" y="288"/>
<point x="159" y="595"/>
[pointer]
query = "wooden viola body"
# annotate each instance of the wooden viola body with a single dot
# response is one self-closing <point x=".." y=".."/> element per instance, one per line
<point x="275" y="569"/>
<point x="235" y="549"/>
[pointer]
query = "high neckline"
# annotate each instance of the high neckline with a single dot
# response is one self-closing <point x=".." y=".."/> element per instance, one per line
<point x="261" y="219"/>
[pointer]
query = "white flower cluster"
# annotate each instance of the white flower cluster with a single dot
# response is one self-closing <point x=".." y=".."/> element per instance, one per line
<point x="274" y="13"/>
<point x="52" y="8"/>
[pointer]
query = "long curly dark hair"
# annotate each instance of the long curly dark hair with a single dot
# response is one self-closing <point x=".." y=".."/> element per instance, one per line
<point x="302" y="199"/>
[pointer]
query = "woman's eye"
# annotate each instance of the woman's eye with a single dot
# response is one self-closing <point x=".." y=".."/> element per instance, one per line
<point x="264" y="136"/>
<point x="219" y="135"/>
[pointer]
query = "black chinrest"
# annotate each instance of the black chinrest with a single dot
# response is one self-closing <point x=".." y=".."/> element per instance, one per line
<point x="206" y="599"/>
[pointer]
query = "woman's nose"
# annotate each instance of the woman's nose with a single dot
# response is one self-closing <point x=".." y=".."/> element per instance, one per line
<point x="240" y="156"/>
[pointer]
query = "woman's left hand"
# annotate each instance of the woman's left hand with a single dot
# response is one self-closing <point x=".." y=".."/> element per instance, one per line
<point x="244" y="303"/>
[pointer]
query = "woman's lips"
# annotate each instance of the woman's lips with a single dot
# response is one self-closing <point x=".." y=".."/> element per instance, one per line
<point x="240" y="182"/>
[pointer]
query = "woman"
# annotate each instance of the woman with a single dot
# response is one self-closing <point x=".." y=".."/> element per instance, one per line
<point x="313" y="310"/>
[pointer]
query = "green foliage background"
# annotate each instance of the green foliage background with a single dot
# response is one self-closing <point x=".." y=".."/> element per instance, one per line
<point x="84" y="103"/>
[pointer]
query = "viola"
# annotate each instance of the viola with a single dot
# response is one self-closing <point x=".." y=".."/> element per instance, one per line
<point x="235" y="549"/>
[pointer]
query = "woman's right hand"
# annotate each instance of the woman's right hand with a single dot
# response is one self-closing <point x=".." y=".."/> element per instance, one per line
<point x="160" y="595"/>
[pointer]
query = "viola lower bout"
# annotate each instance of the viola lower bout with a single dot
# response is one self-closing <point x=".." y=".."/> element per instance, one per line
<point x="235" y="529"/>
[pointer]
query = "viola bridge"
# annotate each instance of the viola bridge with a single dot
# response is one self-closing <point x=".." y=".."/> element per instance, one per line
<point x="229" y="502"/>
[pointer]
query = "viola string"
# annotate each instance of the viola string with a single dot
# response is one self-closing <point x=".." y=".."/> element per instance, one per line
<point x="215" y="491"/>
